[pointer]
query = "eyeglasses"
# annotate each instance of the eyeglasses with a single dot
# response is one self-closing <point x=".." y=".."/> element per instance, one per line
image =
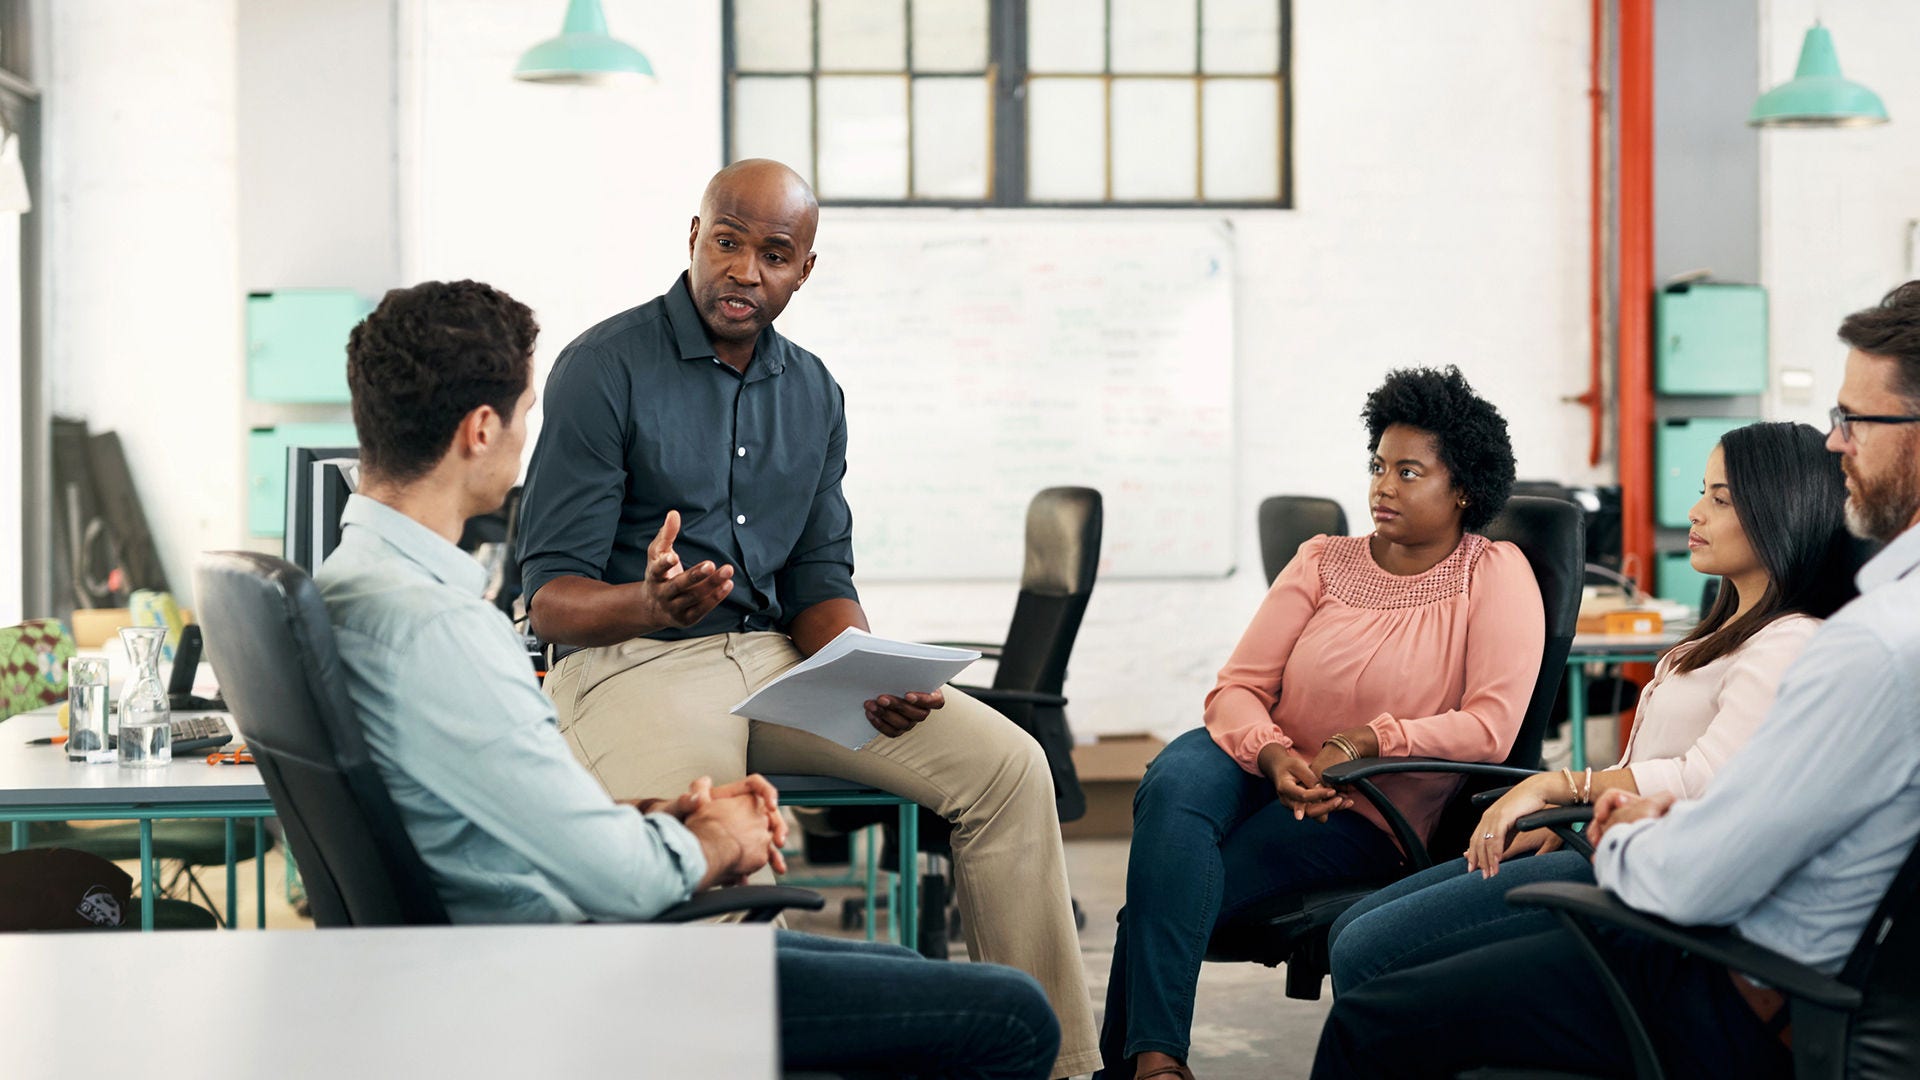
<point x="1840" y="418"/>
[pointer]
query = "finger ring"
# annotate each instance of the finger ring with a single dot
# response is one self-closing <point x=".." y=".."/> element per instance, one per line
<point x="1488" y="836"/>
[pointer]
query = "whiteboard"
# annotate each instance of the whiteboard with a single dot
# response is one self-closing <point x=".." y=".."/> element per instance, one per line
<point x="987" y="357"/>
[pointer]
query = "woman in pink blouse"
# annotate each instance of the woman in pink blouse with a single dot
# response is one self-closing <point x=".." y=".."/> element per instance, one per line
<point x="1422" y="639"/>
<point x="1770" y="524"/>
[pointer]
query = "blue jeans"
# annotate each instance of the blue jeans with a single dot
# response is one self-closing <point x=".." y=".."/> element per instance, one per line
<point x="859" y="1008"/>
<point x="1209" y="840"/>
<point x="1441" y="911"/>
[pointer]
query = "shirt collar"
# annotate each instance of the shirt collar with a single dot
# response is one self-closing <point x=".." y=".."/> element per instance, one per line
<point x="690" y="335"/>
<point x="1894" y="562"/>
<point x="446" y="562"/>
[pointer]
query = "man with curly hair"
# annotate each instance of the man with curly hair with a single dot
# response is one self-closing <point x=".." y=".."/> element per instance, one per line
<point x="685" y="539"/>
<point x="1421" y="639"/>
<point x="510" y="826"/>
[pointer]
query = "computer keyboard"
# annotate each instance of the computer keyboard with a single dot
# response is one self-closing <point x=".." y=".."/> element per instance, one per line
<point x="191" y="733"/>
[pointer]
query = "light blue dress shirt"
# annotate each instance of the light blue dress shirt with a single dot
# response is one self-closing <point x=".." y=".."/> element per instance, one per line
<point x="1804" y="829"/>
<point x="512" y="828"/>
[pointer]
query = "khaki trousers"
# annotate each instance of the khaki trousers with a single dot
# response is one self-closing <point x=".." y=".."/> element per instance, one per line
<point x="649" y="717"/>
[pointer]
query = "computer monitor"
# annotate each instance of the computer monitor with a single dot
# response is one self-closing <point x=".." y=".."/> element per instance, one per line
<point x="319" y="479"/>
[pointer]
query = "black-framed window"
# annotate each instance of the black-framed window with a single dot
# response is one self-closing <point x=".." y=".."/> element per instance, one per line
<point x="1016" y="102"/>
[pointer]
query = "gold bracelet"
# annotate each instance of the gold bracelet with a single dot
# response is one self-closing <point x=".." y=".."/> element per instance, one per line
<point x="1573" y="789"/>
<point x="1345" y="747"/>
<point x="1587" y="795"/>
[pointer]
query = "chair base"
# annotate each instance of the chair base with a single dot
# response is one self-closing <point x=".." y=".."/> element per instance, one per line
<point x="1291" y="930"/>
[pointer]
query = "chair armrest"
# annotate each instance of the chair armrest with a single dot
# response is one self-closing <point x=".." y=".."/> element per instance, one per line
<point x="987" y="650"/>
<point x="1562" y="819"/>
<point x="1718" y="944"/>
<point x="1558" y="816"/>
<point x="1483" y="799"/>
<point x="1013" y="697"/>
<point x="761" y="902"/>
<point x="1359" y="776"/>
<point x="1347" y="772"/>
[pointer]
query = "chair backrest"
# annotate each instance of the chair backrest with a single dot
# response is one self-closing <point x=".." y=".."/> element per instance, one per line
<point x="1552" y="535"/>
<point x="1063" y="553"/>
<point x="272" y="646"/>
<point x="1884" y="1038"/>
<point x="1287" y="521"/>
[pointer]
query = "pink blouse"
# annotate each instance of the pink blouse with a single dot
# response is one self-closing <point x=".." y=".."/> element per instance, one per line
<point x="1439" y="664"/>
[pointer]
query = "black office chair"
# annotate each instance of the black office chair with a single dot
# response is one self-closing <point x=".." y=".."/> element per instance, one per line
<point x="1293" y="927"/>
<point x="1863" y="1024"/>
<point x="1062" y="558"/>
<point x="273" y="648"/>
<point x="1287" y="521"/>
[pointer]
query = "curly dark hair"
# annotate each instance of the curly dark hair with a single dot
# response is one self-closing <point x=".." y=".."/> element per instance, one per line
<point x="1470" y="433"/>
<point x="425" y="358"/>
<point x="1891" y="328"/>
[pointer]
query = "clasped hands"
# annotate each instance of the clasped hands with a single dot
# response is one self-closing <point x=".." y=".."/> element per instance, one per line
<point x="1297" y="782"/>
<point x="740" y="821"/>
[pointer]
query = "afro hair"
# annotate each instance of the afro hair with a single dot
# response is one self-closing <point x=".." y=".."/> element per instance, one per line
<point x="1470" y="433"/>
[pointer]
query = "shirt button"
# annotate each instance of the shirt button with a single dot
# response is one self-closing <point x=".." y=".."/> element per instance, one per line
<point x="741" y="520"/>
<point x="740" y="451"/>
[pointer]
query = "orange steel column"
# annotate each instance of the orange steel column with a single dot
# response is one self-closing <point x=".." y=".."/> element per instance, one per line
<point x="1635" y="383"/>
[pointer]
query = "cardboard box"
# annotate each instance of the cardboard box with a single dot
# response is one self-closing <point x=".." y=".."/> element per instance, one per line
<point x="1110" y="769"/>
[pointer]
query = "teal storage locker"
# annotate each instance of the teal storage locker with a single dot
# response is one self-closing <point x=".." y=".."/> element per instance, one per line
<point x="1680" y="449"/>
<point x="1678" y="580"/>
<point x="297" y="344"/>
<point x="267" y="469"/>
<point x="1710" y="338"/>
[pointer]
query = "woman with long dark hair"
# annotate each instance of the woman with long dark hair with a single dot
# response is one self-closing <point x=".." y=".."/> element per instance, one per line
<point x="1770" y="523"/>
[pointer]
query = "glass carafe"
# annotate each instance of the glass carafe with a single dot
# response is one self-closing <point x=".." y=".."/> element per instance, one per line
<point x="145" y="739"/>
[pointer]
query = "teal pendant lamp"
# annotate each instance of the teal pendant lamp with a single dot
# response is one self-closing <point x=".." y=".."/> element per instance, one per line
<point x="583" y="53"/>
<point x="1817" y="95"/>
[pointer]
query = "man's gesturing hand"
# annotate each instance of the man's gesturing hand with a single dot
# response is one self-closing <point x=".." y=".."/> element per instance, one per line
<point x="679" y="596"/>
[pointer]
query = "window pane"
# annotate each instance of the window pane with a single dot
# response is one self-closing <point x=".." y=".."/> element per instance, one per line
<point x="1242" y="138"/>
<point x="772" y="118"/>
<point x="1240" y="37"/>
<point x="1153" y="36"/>
<point x="950" y="133"/>
<point x="773" y="35"/>
<point x="863" y="137"/>
<point x="1066" y="140"/>
<point x="863" y="35"/>
<point x="1153" y="139"/>
<point x="949" y="35"/>
<point x="1066" y="36"/>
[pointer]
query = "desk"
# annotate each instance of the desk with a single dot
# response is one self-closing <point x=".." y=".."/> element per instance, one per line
<point x="470" y="1001"/>
<point x="1610" y="649"/>
<point x="38" y="783"/>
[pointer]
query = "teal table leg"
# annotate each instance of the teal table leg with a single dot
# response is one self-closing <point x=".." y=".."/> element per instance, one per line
<point x="233" y="879"/>
<point x="873" y="882"/>
<point x="19" y="836"/>
<point x="260" y="873"/>
<point x="910" y="875"/>
<point x="146" y="873"/>
<point x="1577" y="713"/>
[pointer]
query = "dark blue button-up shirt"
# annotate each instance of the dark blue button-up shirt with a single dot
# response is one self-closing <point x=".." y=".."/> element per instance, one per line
<point x="643" y="418"/>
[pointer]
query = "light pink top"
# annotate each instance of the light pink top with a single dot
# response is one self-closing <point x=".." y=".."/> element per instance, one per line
<point x="1690" y="724"/>
<point x="1438" y="664"/>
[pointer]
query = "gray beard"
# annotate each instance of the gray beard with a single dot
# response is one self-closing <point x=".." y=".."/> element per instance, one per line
<point x="1887" y="515"/>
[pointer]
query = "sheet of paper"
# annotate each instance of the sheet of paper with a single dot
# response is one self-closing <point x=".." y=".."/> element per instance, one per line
<point x="827" y="692"/>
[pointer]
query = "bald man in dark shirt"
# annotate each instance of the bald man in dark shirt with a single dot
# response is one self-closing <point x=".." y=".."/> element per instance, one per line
<point x="685" y="539"/>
